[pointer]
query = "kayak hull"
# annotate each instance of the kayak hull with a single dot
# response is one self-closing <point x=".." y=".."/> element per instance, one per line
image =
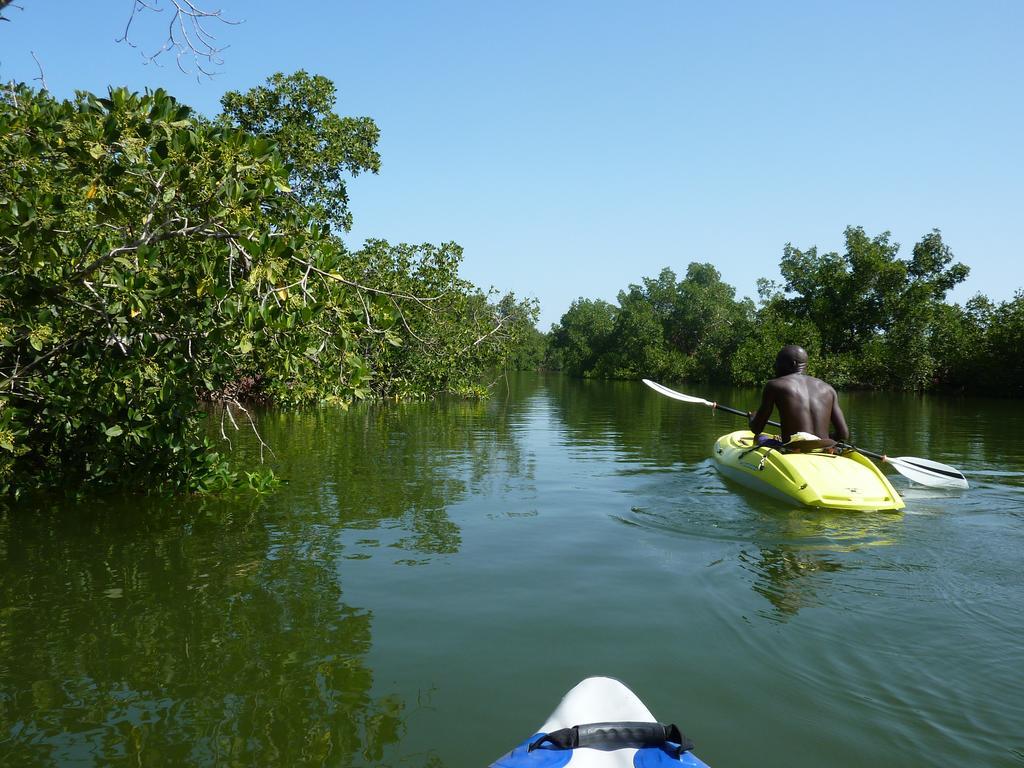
<point x="847" y="481"/>
<point x="596" y="700"/>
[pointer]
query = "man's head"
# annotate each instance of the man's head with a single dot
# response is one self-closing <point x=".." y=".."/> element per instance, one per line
<point x="791" y="359"/>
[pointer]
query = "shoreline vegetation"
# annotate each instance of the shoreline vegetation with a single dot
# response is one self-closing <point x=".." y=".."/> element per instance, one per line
<point x="868" y="319"/>
<point x="154" y="260"/>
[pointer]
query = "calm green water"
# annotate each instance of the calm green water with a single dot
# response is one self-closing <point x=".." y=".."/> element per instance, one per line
<point x="435" y="576"/>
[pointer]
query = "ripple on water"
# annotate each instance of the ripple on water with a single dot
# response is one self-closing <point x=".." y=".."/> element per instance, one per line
<point x="697" y="502"/>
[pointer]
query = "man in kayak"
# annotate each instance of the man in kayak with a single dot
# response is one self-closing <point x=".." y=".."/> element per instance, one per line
<point x="805" y="404"/>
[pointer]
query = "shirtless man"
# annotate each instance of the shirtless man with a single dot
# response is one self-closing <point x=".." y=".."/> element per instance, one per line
<point x="805" y="404"/>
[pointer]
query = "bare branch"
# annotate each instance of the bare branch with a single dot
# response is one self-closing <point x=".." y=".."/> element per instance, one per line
<point x="8" y="382"/>
<point x="224" y="434"/>
<point x="13" y="93"/>
<point x="42" y="77"/>
<point x="493" y="330"/>
<point x="4" y="4"/>
<point x="187" y="33"/>
<point x="170" y="229"/>
<point x="252" y="423"/>
<point x="405" y="322"/>
<point x="397" y="294"/>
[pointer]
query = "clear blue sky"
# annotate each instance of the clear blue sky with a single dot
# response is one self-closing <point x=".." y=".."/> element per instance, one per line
<point x="573" y="148"/>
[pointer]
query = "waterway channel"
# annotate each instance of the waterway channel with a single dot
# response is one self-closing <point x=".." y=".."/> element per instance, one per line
<point x="433" y="576"/>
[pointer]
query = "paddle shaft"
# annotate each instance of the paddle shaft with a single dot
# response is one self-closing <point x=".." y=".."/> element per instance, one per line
<point x="738" y="412"/>
<point x="872" y="454"/>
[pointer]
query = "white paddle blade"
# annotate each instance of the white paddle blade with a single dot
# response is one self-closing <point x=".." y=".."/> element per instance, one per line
<point x="928" y="472"/>
<point x="663" y="390"/>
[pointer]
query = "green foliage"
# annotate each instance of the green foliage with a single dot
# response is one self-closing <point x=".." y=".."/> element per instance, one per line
<point x="663" y="328"/>
<point x="637" y="341"/>
<point x="125" y="222"/>
<point x="772" y="328"/>
<point x="874" y="312"/>
<point x="843" y="295"/>
<point x="957" y="341"/>
<point x="527" y="345"/>
<point x="707" y="323"/>
<point x="427" y="331"/>
<point x="578" y="341"/>
<point x="528" y="354"/>
<point x="150" y="259"/>
<point x="866" y="317"/>
<point x="1002" y="367"/>
<point x="297" y="113"/>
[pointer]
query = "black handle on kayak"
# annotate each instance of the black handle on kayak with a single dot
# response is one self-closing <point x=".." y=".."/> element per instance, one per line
<point x="608" y="736"/>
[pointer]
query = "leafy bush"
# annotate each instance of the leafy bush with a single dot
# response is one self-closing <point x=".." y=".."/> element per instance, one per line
<point x="150" y="258"/>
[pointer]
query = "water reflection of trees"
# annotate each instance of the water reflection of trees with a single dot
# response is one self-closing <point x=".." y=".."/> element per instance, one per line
<point x="628" y="417"/>
<point x="139" y="635"/>
<point x="218" y="632"/>
<point x="392" y="468"/>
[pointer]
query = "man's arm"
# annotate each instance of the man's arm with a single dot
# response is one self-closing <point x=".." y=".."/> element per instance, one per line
<point x="758" y="420"/>
<point x="842" y="432"/>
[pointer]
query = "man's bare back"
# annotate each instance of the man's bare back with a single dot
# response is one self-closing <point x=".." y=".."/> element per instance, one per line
<point x="805" y="404"/>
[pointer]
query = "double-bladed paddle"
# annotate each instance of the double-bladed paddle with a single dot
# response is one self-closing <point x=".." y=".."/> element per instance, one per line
<point x="922" y="471"/>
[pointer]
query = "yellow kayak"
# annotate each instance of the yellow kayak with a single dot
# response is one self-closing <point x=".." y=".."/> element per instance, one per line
<point x="847" y="481"/>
